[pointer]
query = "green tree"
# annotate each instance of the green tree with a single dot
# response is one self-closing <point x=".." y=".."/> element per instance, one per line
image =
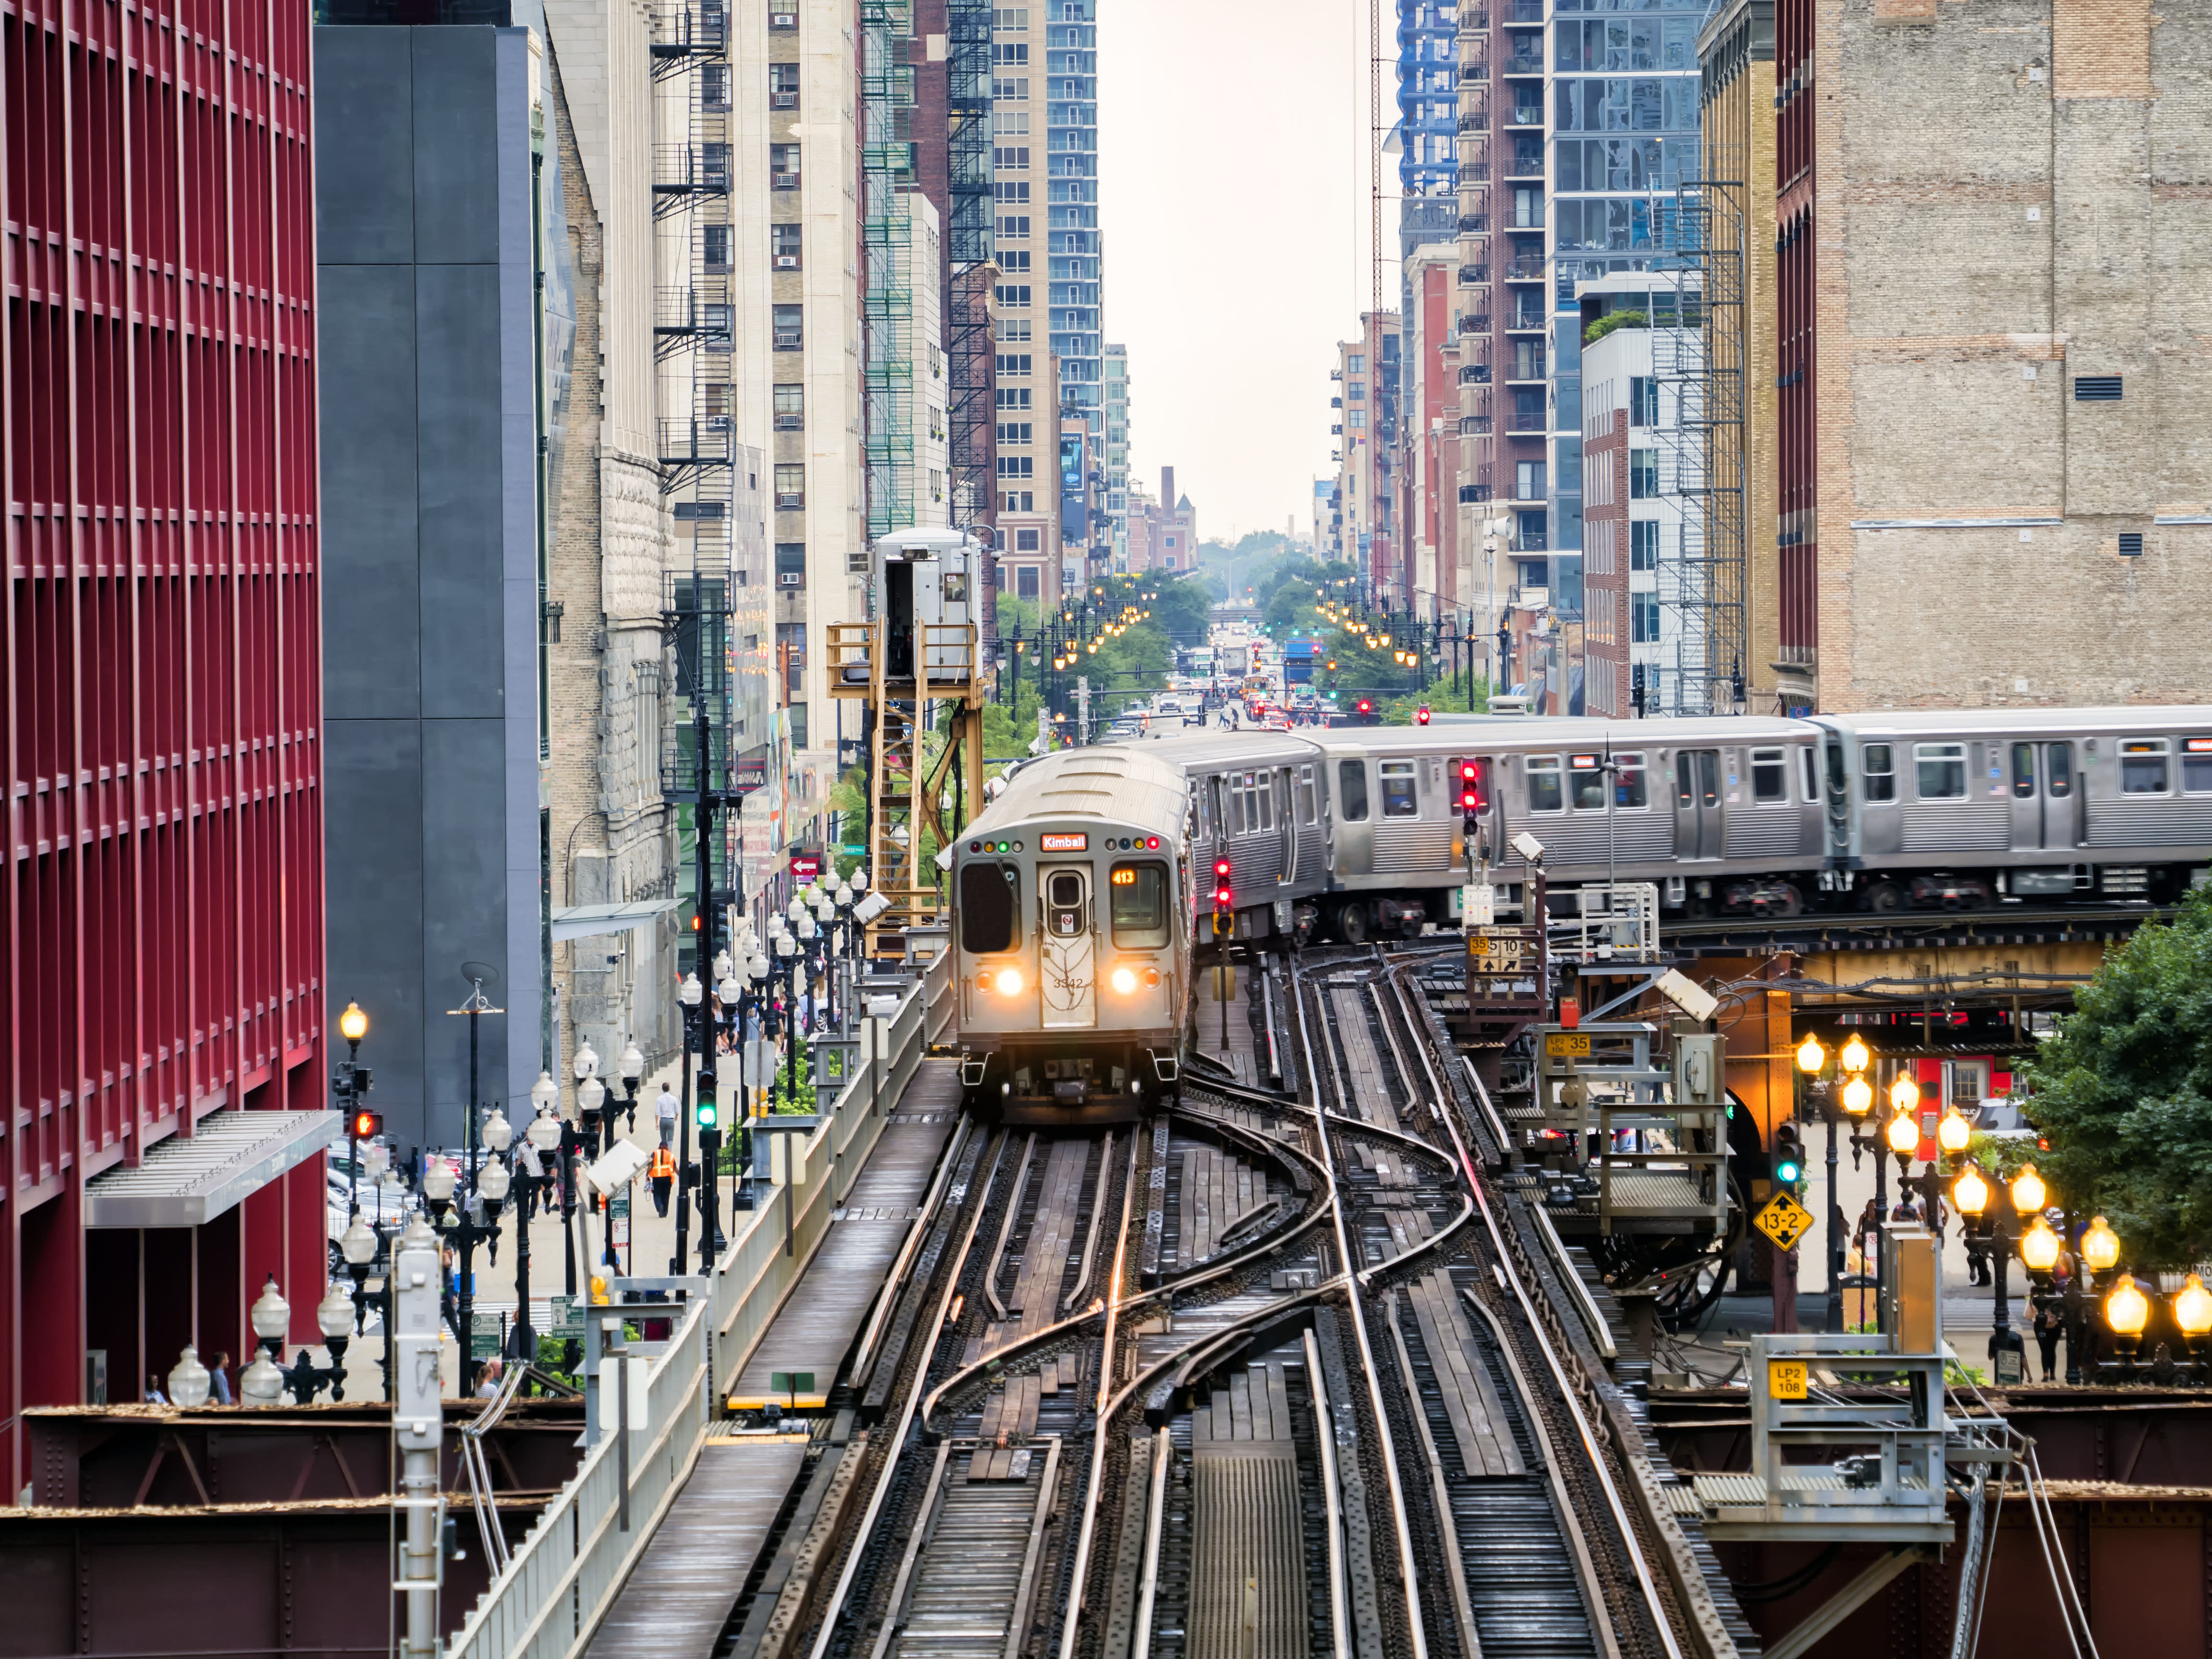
<point x="2123" y="1091"/>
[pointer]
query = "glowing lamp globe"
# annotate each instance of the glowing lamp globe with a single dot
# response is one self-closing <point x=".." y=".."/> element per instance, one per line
<point x="2127" y="1310"/>
<point x="2028" y="1191"/>
<point x="2100" y="1246"/>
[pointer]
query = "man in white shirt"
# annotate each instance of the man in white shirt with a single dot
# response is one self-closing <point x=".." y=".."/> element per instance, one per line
<point x="665" y="1109"/>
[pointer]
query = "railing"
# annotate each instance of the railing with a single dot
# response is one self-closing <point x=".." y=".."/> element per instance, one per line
<point x="548" y="1600"/>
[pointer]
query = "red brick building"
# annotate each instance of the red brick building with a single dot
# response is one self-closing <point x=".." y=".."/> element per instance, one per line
<point x="164" y="966"/>
<point x="1163" y="534"/>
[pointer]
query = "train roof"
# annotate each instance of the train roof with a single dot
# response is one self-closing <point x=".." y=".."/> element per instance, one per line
<point x="1518" y="732"/>
<point x="1253" y="745"/>
<point x="2006" y="722"/>
<point x="1122" y="783"/>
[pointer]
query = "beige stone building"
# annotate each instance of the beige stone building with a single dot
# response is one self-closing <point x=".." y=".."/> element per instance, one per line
<point x="1995" y="470"/>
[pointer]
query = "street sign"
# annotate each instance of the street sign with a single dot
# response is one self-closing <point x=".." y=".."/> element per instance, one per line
<point x="487" y="1334"/>
<point x="1784" y="1220"/>
<point x="1577" y="1043"/>
<point x="1496" y="954"/>
<point x="1786" y="1379"/>
<point x="804" y="867"/>
<point x="568" y="1324"/>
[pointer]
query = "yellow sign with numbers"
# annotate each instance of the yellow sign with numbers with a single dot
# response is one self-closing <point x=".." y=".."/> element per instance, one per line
<point x="1784" y="1220"/>
<point x="1786" y="1379"/>
<point x="1566" y="1042"/>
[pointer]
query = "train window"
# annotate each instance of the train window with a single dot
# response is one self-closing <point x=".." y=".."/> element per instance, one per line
<point x="2023" y="770"/>
<point x="1880" y="770"/>
<point x="1259" y="803"/>
<point x="1199" y="826"/>
<point x="1351" y="790"/>
<point x="2142" y="766"/>
<point x="1544" y="783"/>
<point x="1685" y="779"/>
<point x="1769" y="776"/>
<point x="1837" y="783"/>
<point x="1401" y="798"/>
<point x="1586" y="782"/>
<point x="1812" y="773"/>
<point x="2196" y="766"/>
<point x="1940" y="770"/>
<point x="1139" y="906"/>
<point x="1309" y="809"/>
<point x="1628" y="785"/>
<point x="990" y="895"/>
<point x="1063" y="903"/>
<point x="2059" y="764"/>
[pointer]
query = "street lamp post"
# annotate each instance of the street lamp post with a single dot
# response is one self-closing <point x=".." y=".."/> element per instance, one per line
<point x="2038" y="1251"/>
<point x="1857" y="1099"/>
<point x="1811" y="1057"/>
<point x="691" y="996"/>
<point x="350" y="1084"/>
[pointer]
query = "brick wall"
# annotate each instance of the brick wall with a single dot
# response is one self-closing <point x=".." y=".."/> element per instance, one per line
<point x="2011" y="194"/>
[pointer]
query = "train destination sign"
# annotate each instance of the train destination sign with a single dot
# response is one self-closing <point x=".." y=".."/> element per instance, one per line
<point x="1052" y="843"/>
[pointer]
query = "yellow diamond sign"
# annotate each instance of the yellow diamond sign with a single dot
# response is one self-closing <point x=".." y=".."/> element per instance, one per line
<point x="1784" y="1220"/>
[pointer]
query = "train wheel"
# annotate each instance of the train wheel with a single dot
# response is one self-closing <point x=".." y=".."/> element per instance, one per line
<point x="1351" y="924"/>
<point x="1883" y="897"/>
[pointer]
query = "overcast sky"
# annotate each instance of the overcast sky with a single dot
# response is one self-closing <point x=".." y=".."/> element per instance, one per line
<point x="1233" y="186"/>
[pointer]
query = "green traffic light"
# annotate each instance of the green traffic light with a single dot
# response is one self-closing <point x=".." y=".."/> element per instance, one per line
<point x="706" y="1114"/>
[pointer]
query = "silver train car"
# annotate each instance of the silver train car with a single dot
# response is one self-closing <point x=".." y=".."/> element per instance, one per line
<point x="1074" y="900"/>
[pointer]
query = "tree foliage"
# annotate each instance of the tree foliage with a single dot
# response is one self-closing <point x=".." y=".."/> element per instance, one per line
<point x="2124" y="1092"/>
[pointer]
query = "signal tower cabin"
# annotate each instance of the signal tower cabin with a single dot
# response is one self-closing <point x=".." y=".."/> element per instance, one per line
<point x="918" y="650"/>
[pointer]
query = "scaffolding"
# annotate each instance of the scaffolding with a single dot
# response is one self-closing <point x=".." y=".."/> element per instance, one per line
<point x="1700" y="364"/>
<point x="887" y="175"/>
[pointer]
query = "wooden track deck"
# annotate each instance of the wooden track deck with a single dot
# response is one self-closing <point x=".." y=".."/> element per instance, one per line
<point x="678" y="1600"/>
<point x="816" y="1325"/>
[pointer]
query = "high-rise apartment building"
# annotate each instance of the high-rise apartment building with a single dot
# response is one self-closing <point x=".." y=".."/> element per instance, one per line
<point x="1116" y="389"/>
<point x="167" y="1047"/>
<point x="1069" y="91"/>
<point x="1366" y="380"/>
<point x="2020" y="424"/>
<point x="1429" y="455"/>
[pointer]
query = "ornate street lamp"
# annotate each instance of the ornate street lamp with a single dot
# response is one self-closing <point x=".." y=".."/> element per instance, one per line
<point x="189" y="1381"/>
<point x="261" y="1384"/>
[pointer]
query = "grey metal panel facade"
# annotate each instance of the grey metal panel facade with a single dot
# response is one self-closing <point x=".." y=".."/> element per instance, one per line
<point x="429" y="414"/>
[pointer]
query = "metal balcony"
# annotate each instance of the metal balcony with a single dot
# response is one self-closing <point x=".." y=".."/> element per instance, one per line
<point x="1524" y="271"/>
<point x="1525" y="115"/>
<point x="684" y="173"/>
<point x="685" y="317"/>
<point x="684" y="31"/>
<point x="1523" y="63"/>
<point x="688" y="447"/>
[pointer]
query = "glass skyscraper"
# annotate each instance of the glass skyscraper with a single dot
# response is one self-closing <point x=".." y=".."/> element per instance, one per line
<point x="1623" y="76"/>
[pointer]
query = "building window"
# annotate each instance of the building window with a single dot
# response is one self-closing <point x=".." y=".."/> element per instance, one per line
<point x="791" y="407"/>
<point x="1025" y="581"/>
<point x="714" y="246"/>
<point x="1644" y="614"/>
<point x="1015" y="396"/>
<point x="783" y="86"/>
<point x="714" y="86"/>
<point x="1015" y="432"/>
<point x="1644" y="544"/>
<point x="1356" y="391"/>
<point x="647" y="681"/>
<point x="783" y="166"/>
<point x="790" y="487"/>
<point x="784" y="243"/>
<point x="798" y="726"/>
<point x="1529" y="481"/>
<point x="1643" y="400"/>
<point x="1014" y="226"/>
<point x="1012" y="294"/>
<point x="791" y="564"/>
<point x="1017" y="466"/>
<point x="789" y="327"/>
<point x="1643" y="474"/>
<point x="1532" y="537"/>
<point x="1026" y="541"/>
<point x="1356" y="364"/>
<point x="1358" y="417"/>
<point x="714" y="399"/>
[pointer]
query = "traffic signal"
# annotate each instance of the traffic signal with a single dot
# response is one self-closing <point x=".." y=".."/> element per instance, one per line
<point x="706" y="1113"/>
<point x="1421" y="715"/>
<point x="365" y="1125"/>
<point x="1224" y="899"/>
<point x="1789" y="1155"/>
<point x="1470" y="792"/>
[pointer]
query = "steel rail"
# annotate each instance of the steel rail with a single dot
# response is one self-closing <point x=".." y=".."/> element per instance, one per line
<point x="1140" y="1645"/>
<point x="1072" y="1624"/>
<point x="1509" y="1274"/>
<point x="827" y="1630"/>
<point x="1408" y="1568"/>
<point x="1339" y="1616"/>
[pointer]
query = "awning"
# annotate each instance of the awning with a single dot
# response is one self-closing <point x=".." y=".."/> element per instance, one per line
<point x="187" y="1180"/>
<point x="584" y="920"/>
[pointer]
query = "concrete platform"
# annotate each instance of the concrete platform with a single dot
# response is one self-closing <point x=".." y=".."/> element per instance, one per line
<point x="815" y="1328"/>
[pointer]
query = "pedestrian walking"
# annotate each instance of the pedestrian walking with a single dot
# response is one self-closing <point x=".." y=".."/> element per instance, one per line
<point x="661" y="1171"/>
<point x="665" y="1109"/>
<point x="219" y="1380"/>
<point x="1977" y="1255"/>
<point x="2048" y="1322"/>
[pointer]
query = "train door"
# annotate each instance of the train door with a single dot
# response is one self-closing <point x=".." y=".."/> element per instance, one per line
<point x="2043" y="796"/>
<point x="1696" y="803"/>
<point x="1068" y="980"/>
<point x="1286" y="825"/>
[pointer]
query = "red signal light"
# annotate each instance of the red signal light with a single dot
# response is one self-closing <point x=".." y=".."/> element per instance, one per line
<point x="1365" y="706"/>
<point x="1421" y="715"/>
<point x="1223" y="898"/>
<point x="365" y="1125"/>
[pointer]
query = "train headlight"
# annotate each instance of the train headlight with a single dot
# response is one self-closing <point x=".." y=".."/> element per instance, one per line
<point x="1125" y="980"/>
<point x="1009" y="982"/>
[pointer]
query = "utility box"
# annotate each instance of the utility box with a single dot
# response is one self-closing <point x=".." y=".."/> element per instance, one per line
<point x="927" y="603"/>
<point x="1913" y="1289"/>
<point x="1701" y="1069"/>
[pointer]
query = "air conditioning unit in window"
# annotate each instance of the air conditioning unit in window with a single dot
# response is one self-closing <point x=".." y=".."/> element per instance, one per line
<point x="783" y="19"/>
<point x="783" y="100"/>
<point x="790" y="578"/>
<point x="786" y="262"/>
<point x="783" y="181"/>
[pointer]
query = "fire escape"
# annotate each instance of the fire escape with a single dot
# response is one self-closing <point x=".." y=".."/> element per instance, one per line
<point x="971" y="364"/>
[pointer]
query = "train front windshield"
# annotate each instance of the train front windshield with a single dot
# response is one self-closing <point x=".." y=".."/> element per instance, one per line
<point x="1140" y="906"/>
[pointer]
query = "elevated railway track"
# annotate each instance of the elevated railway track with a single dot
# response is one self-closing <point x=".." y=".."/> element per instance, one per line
<point x="1273" y="1373"/>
